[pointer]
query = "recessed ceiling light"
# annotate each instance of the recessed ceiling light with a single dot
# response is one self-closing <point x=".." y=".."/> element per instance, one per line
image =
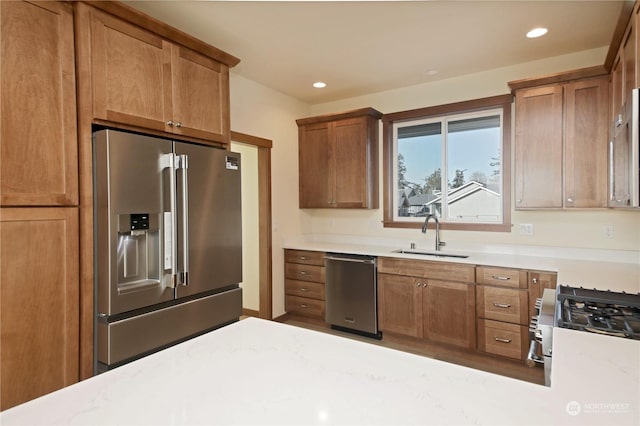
<point x="537" y="32"/>
<point x="319" y="84"/>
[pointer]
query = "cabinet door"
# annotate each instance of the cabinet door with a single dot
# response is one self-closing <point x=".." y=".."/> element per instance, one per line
<point x="538" y="147"/>
<point x="400" y="304"/>
<point x="313" y="158"/>
<point x="38" y="302"/>
<point x="538" y="282"/>
<point x="130" y="73"/>
<point x="449" y="313"/>
<point x="200" y="96"/>
<point x="586" y="126"/>
<point x="39" y="164"/>
<point x="348" y="156"/>
<point x="629" y="57"/>
<point x="617" y="87"/>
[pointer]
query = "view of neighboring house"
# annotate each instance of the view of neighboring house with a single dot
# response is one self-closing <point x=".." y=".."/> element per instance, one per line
<point x="471" y="200"/>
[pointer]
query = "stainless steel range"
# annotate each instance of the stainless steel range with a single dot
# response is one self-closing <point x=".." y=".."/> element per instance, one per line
<point x="596" y="311"/>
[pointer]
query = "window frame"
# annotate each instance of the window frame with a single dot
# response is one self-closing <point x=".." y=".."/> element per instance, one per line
<point x="503" y="102"/>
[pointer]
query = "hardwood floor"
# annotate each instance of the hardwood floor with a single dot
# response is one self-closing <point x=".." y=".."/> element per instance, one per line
<point x="477" y="360"/>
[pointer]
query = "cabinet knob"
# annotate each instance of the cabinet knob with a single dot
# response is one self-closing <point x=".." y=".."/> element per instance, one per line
<point x="519" y="201"/>
<point x="303" y="257"/>
<point x="303" y="272"/>
<point x="534" y="281"/>
<point x="178" y="124"/>
<point x="418" y="284"/>
<point x="619" y="120"/>
<point x="570" y="200"/>
<point x="170" y="123"/>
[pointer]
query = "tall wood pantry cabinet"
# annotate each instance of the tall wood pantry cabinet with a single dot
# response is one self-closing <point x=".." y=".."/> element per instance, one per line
<point x="39" y="196"/>
<point x="561" y="143"/>
<point x="338" y="160"/>
<point x="67" y="67"/>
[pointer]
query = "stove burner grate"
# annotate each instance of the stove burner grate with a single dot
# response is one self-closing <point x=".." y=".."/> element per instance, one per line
<point x="614" y="314"/>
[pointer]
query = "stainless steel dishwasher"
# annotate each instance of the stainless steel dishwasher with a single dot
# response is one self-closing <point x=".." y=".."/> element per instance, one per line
<point x="352" y="293"/>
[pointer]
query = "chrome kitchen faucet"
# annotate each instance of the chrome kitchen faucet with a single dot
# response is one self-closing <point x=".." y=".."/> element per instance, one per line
<point x="424" y="230"/>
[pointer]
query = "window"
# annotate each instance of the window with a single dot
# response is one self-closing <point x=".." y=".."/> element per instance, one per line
<point x="451" y="161"/>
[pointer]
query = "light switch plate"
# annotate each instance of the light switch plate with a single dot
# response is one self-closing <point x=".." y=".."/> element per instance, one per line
<point x="526" y="228"/>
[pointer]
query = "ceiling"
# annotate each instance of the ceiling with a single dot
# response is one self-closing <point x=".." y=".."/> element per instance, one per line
<point x="361" y="47"/>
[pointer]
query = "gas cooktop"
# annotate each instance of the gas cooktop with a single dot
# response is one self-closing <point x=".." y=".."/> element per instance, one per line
<point x="604" y="312"/>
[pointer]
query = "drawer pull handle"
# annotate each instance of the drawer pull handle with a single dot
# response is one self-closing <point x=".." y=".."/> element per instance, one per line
<point x="303" y="257"/>
<point x="304" y="289"/>
<point x="500" y="339"/>
<point x="303" y="272"/>
<point x="502" y="305"/>
<point x="500" y="278"/>
<point x="306" y="306"/>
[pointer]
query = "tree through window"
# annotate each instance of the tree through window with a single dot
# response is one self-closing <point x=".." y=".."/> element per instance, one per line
<point x="450" y="165"/>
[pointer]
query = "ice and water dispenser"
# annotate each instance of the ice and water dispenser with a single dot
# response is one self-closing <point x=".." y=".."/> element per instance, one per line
<point x="138" y="251"/>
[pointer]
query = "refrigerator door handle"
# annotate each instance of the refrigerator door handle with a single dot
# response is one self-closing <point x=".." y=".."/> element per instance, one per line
<point x="168" y="161"/>
<point x="183" y="164"/>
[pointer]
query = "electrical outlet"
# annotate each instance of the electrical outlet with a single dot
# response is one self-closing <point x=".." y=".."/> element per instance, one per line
<point x="526" y="229"/>
<point x="608" y="231"/>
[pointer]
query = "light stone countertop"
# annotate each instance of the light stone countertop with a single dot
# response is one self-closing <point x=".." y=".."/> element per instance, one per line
<point x="262" y="372"/>
<point x="604" y="270"/>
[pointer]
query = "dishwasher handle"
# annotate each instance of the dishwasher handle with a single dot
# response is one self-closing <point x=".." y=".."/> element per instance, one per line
<point x="351" y="259"/>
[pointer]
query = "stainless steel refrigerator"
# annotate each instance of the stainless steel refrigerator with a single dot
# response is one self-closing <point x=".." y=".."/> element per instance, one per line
<point x="168" y="243"/>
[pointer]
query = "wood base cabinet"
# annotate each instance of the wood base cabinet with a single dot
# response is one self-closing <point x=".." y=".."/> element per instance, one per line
<point x="38" y="301"/>
<point x="428" y="305"/>
<point x="505" y="300"/>
<point x="304" y="283"/>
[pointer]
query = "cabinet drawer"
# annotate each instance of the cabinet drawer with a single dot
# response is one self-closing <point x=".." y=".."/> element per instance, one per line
<point x="304" y="289"/>
<point x="502" y="304"/>
<point x="304" y="306"/>
<point x="296" y="271"/>
<point x="445" y="271"/>
<point x="504" y="339"/>
<point x="304" y="257"/>
<point x="503" y="277"/>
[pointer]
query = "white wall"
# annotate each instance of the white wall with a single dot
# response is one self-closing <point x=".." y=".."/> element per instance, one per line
<point x="260" y="111"/>
<point x="250" y="225"/>
<point x="263" y="112"/>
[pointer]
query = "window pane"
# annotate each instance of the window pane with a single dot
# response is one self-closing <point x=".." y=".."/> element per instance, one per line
<point x="419" y="169"/>
<point x="473" y="170"/>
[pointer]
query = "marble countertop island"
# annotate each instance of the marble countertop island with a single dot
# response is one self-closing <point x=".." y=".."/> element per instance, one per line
<point x="262" y="372"/>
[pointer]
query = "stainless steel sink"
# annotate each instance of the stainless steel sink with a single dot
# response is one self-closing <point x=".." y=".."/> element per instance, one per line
<point x="430" y="253"/>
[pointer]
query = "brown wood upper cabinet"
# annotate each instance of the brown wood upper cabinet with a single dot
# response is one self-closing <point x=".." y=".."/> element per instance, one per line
<point x="140" y="79"/>
<point x="39" y="158"/>
<point x="625" y="68"/>
<point x="561" y="144"/>
<point x="338" y="160"/>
